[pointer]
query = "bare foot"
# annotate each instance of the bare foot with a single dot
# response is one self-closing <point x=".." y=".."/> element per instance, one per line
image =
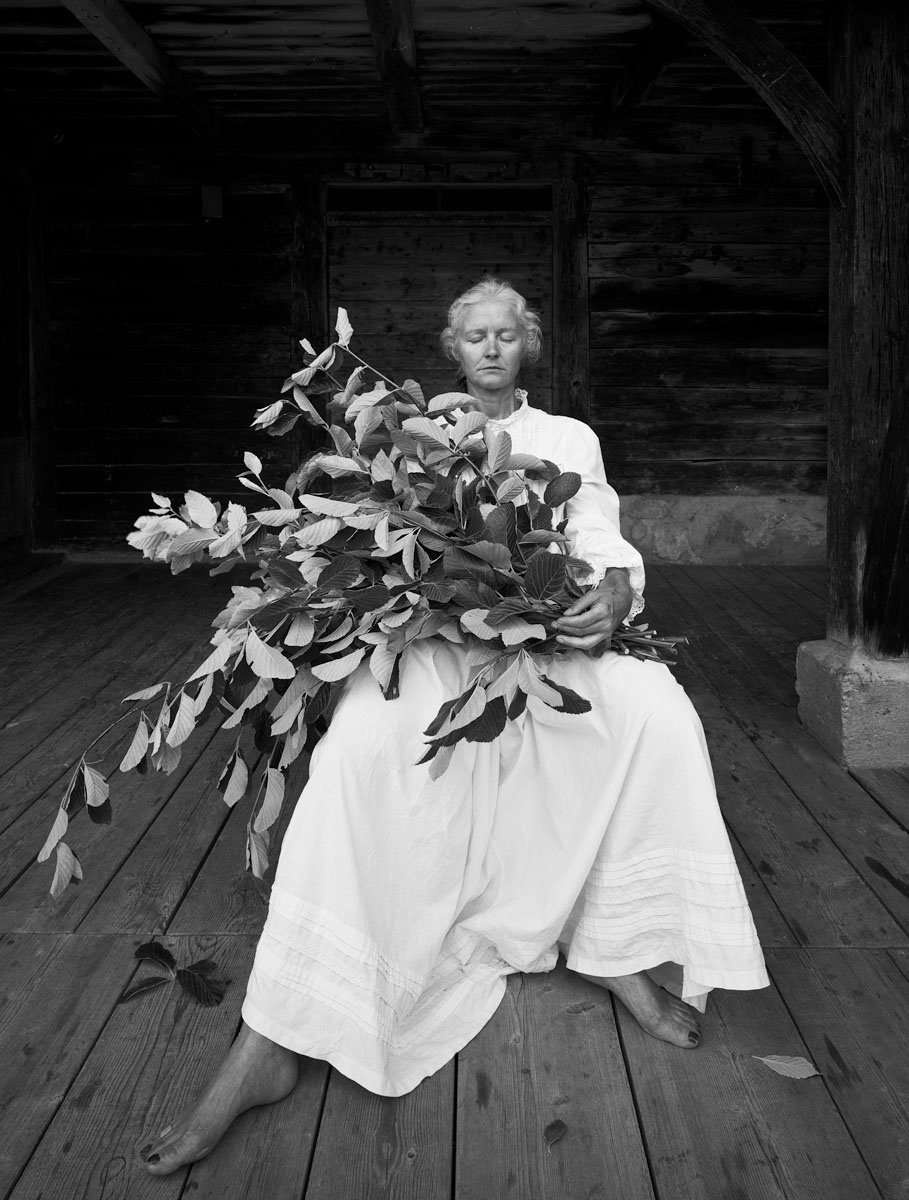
<point x="658" y="1013"/>
<point x="256" y="1071"/>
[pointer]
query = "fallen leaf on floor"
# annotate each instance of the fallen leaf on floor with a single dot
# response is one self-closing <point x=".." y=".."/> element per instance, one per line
<point x="792" y="1068"/>
<point x="554" y="1132"/>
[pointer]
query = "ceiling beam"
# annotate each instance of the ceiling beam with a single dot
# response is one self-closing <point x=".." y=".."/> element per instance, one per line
<point x="391" y="24"/>
<point x="656" y="50"/>
<point x="128" y="41"/>
<point x="778" y="77"/>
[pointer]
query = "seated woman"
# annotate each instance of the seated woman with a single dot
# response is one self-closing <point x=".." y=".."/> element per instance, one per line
<point x="400" y="904"/>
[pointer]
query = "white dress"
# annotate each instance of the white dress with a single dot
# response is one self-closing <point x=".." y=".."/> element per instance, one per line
<point x="401" y="904"/>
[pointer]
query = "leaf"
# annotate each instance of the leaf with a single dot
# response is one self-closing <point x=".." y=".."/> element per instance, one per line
<point x="337" y="465"/>
<point x="467" y="424"/>
<point x="257" y="853"/>
<point x="562" y="488"/>
<point x="571" y="701"/>
<point x="510" y="489"/>
<point x="252" y="463"/>
<point x="144" y="985"/>
<point x="267" y="661"/>
<point x="301" y="630"/>
<point x="318" y="532"/>
<point x="414" y="392"/>
<point x="58" y="829"/>
<point x="474" y="621"/>
<point x="545" y="575"/>
<point x="268" y="415"/>
<point x="154" y="952"/>
<point x="326" y="506"/>
<point x="339" y="668"/>
<point x="273" y="517"/>
<point x="494" y="553"/>
<point x="273" y="783"/>
<point x="184" y="722"/>
<point x="499" y="446"/>
<point x="216" y="661"/>
<point x="161" y="501"/>
<point x="446" y="401"/>
<point x="382" y="665"/>
<point x="67" y="868"/>
<point x="96" y="789"/>
<point x="554" y="1132"/>
<point x="424" y="429"/>
<point x="515" y="630"/>
<point x="201" y="510"/>
<point x="343" y="328"/>
<point x="146" y="693"/>
<point x="341" y="573"/>
<point x="792" y="1068"/>
<point x="137" y="746"/>
<point x="237" y="782"/>
<point x="203" y="987"/>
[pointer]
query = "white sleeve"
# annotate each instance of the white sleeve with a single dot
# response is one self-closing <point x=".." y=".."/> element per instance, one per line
<point x="593" y="515"/>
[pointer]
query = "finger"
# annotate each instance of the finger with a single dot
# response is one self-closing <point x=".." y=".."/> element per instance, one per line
<point x="583" y="643"/>
<point x="593" y="616"/>
<point x="581" y="604"/>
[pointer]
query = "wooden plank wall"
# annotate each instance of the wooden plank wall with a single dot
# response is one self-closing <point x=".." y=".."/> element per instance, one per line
<point x="708" y="297"/>
<point x="396" y="272"/>
<point x="168" y="331"/>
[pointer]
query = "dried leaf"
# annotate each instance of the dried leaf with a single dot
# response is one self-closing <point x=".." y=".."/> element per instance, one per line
<point x="154" y="952"/>
<point x="144" y="985"/>
<point x="554" y="1132"/>
<point x="203" y="987"/>
<point x="792" y="1068"/>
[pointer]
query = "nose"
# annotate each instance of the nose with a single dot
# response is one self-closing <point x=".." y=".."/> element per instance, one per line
<point x="492" y="350"/>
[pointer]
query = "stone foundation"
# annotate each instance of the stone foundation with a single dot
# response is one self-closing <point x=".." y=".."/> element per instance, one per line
<point x="855" y="705"/>
<point x="727" y="530"/>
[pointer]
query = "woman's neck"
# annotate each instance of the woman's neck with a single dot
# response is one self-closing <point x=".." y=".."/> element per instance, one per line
<point x="497" y="403"/>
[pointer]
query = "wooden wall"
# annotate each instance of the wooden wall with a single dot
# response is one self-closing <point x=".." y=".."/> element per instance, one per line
<point x="708" y="301"/>
<point x="168" y="331"/>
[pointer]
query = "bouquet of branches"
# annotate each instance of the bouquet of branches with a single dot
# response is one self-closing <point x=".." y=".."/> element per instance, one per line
<point x="416" y="522"/>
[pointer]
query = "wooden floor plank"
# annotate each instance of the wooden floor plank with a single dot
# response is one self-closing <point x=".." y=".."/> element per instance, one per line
<point x="149" y="1062"/>
<point x="771" y="925"/>
<point x="850" y="1008"/>
<point x="544" y="1107"/>
<point x="821" y="896"/>
<point x="56" y="993"/>
<point x="224" y="898"/>
<point x="877" y="847"/>
<point x="720" y="1125"/>
<point x="791" y="582"/>
<point x="889" y="788"/>
<point x="33" y="581"/>
<point x="403" y="1145"/>
<point x="779" y="621"/>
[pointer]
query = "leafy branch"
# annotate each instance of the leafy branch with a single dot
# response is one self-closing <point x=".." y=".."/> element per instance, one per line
<point x="416" y="520"/>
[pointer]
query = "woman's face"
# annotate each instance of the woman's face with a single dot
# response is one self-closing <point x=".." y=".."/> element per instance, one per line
<point x="490" y="345"/>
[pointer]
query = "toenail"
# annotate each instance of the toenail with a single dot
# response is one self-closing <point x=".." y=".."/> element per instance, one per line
<point x="153" y="1158"/>
<point x="694" y="1038"/>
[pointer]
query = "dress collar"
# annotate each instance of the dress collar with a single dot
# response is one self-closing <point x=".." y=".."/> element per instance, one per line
<point x="519" y="413"/>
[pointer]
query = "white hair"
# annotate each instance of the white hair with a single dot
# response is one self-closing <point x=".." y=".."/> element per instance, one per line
<point x="490" y="288"/>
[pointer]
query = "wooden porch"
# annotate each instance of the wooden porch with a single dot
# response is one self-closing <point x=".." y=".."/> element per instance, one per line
<point x="561" y="1096"/>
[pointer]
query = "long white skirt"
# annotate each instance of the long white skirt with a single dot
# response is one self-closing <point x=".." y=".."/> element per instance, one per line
<point x="401" y="904"/>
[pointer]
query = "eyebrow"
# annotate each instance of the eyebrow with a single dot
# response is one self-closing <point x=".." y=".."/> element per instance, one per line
<point x="499" y="328"/>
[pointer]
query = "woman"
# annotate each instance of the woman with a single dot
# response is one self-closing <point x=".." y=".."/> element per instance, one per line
<point x="401" y="905"/>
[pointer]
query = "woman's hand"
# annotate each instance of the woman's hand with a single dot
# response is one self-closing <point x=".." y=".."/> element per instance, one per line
<point x="595" y="616"/>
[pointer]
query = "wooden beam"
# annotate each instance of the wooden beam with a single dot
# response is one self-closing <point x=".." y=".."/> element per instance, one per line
<point x="657" y="49"/>
<point x="570" y="293"/>
<point x="778" y="77"/>
<point x="868" y="430"/>
<point x="308" y="289"/>
<point x="391" y="24"/>
<point x="126" y="39"/>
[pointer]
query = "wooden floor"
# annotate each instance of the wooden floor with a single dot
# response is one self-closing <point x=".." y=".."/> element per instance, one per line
<point x="561" y="1095"/>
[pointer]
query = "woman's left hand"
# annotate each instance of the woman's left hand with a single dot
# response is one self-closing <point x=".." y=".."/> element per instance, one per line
<point x="595" y="616"/>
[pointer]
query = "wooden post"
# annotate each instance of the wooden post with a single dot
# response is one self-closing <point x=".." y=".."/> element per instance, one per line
<point x="570" y="293"/>
<point x="869" y="328"/>
<point x="309" y="284"/>
<point x="854" y="687"/>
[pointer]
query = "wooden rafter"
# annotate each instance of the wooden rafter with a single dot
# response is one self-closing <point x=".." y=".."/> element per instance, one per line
<point x="128" y="41"/>
<point x="778" y="77"/>
<point x="391" y="24"/>
<point x="657" y="49"/>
